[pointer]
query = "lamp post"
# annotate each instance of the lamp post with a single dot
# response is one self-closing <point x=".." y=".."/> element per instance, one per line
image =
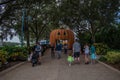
<point x="25" y="26"/>
<point x="22" y="27"/>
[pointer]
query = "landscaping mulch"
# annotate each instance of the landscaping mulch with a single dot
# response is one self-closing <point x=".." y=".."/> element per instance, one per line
<point x="10" y="64"/>
<point x="117" y="66"/>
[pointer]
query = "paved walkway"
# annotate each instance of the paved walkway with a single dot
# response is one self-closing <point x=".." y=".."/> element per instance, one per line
<point x="54" y="69"/>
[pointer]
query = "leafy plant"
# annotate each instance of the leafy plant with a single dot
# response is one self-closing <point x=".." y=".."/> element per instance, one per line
<point x="22" y="56"/>
<point x="0" y="64"/>
<point x="103" y="58"/>
<point x="113" y="57"/>
<point x="3" y="56"/>
<point x="101" y="49"/>
<point x="12" y="49"/>
<point x="18" y="56"/>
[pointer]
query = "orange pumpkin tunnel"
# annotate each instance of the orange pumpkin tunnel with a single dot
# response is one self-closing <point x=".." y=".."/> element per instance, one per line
<point x="64" y="35"/>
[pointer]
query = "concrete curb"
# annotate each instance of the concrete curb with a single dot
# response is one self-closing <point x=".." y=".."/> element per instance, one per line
<point x="11" y="68"/>
<point x="112" y="68"/>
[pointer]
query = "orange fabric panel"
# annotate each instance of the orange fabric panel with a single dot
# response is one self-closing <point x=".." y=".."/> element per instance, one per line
<point x="69" y="35"/>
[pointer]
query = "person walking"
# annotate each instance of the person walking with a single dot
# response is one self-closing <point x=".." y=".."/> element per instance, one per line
<point x="58" y="50"/>
<point x="38" y="51"/>
<point x="70" y="59"/>
<point x="93" y="54"/>
<point x="76" y="50"/>
<point x="86" y="52"/>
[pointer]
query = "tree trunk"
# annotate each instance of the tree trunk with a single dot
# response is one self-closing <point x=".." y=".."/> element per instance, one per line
<point x="27" y="37"/>
<point x="93" y="38"/>
<point x="92" y="33"/>
<point x="36" y="39"/>
<point x="36" y="26"/>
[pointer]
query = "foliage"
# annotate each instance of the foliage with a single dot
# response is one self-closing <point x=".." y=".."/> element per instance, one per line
<point x="91" y="16"/>
<point x="10" y="44"/>
<point x="101" y="48"/>
<point x="12" y="53"/>
<point x="3" y="57"/>
<point x="15" y="53"/>
<point x="0" y="64"/>
<point x="103" y="58"/>
<point x="111" y="37"/>
<point x="22" y="56"/>
<point x="13" y="56"/>
<point x="112" y="56"/>
<point x="12" y="49"/>
<point x="18" y="56"/>
<point x="84" y="38"/>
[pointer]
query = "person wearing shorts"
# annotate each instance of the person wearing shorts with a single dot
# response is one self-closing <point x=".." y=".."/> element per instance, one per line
<point x="76" y="50"/>
<point x="93" y="54"/>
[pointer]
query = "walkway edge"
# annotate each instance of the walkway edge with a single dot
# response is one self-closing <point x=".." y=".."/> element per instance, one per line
<point x="112" y="68"/>
<point x="11" y="68"/>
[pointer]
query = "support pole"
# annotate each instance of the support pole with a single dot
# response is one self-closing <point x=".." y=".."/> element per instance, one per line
<point x="22" y="28"/>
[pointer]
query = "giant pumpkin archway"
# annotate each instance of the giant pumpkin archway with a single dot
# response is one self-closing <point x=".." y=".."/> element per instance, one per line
<point x="62" y="34"/>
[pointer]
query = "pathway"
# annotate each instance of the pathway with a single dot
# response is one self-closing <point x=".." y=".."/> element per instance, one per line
<point x="54" y="69"/>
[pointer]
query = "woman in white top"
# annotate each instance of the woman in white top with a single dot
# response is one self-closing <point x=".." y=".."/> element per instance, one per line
<point x="86" y="51"/>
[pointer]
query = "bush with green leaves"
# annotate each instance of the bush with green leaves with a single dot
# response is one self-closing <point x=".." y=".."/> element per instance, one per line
<point x="3" y="57"/>
<point x="113" y="57"/>
<point x="101" y="49"/>
<point x="18" y="56"/>
<point x="103" y="58"/>
<point x="12" y="49"/>
<point x="13" y="56"/>
<point x="0" y="64"/>
<point x="15" y="53"/>
<point x="22" y="56"/>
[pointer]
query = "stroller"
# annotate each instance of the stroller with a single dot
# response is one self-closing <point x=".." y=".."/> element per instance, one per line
<point x="35" y="57"/>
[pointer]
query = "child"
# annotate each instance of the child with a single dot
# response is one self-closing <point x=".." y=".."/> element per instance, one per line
<point x="70" y="59"/>
<point x="86" y="52"/>
<point x="93" y="54"/>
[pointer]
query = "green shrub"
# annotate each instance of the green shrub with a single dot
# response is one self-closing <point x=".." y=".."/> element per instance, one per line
<point x="3" y="56"/>
<point x="103" y="58"/>
<point x="12" y="49"/>
<point x="15" y="53"/>
<point x="13" y="56"/>
<point x="101" y="49"/>
<point x="0" y="64"/>
<point x="22" y="56"/>
<point x="18" y="56"/>
<point x="113" y="57"/>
